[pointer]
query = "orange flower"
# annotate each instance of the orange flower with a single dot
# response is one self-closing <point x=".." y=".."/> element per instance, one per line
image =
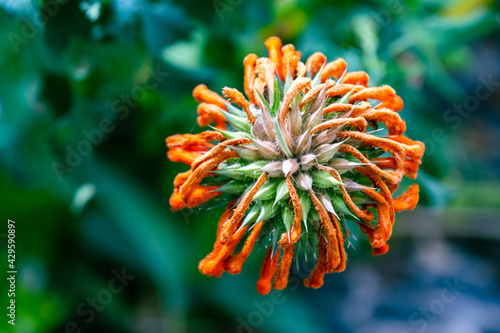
<point x="296" y="160"/>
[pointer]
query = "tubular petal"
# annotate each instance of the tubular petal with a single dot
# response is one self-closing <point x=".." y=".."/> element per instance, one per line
<point x="267" y="272"/>
<point x="235" y="263"/>
<point x="315" y="62"/>
<point x="202" y="94"/>
<point x="408" y="200"/>
<point x="273" y="45"/>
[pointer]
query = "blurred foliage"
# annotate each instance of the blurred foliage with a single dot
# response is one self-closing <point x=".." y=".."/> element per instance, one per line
<point x="90" y="89"/>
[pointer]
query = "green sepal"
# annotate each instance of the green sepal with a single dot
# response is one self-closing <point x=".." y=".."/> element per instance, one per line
<point x="281" y="191"/>
<point x="317" y="79"/>
<point x="268" y="210"/>
<point x="232" y="135"/>
<point x="276" y="99"/>
<point x="281" y="139"/>
<point x="233" y="187"/>
<point x="345" y="99"/>
<point x="253" y="169"/>
<point x="287" y="218"/>
<point x="324" y="179"/>
<point x="251" y="216"/>
<point x="305" y="202"/>
<point x="340" y="205"/>
<point x="266" y="191"/>
<point x="266" y="103"/>
<point x="234" y="110"/>
<point x="239" y="123"/>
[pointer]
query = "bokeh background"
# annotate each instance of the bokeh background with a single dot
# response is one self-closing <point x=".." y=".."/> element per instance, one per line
<point x="90" y="89"/>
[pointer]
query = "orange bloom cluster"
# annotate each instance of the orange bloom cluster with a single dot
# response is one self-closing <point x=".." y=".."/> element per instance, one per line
<point x="310" y="133"/>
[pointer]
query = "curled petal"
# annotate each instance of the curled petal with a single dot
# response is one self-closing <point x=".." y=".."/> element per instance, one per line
<point x="239" y="99"/>
<point x="235" y="263"/>
<point x="183" y="156"/>
<point x="333" y="69"/>
<point x="408" y="200"/>
<point x="210" y="112"/>
<point x="290" y="59"/>
<point x="249" y="64"/>
<point x="240" y="210"/>
<point x="202" y="94"/>
<point x="315" y="62"/>
<point x="298" y="85"/>
<point x="273" y="45"/>
<point x="176" y="201"/>
<point x="357" y="78"/>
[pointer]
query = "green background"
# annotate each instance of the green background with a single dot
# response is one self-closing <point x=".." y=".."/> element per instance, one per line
<point x="89" y="90"/>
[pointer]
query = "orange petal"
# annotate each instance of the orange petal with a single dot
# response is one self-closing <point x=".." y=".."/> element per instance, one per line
<point x="315" y="62"/>
<point x="357" y="78"/>
<point x="183" y="156"/>
<point x="267" y="272"/>
<point x="273" y="45"/>
<point x="281" y="279"/>
<point x="290" y="59"/>
<point x="249" y="64"/>
<point x="202" y="194"/>
<point x="408" y="200"/>
<point x="209" y="113"/>
<point x="235" y="263"/>
<point x="333" y="69"/>
<point x="202" y="94"/>
<point x="176" y="201"/>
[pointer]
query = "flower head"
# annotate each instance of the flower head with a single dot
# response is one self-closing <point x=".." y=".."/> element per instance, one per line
<point x="295" y="161"/>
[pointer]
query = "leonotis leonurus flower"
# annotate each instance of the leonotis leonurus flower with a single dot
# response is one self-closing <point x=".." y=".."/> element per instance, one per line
<point x="296" y="161"/>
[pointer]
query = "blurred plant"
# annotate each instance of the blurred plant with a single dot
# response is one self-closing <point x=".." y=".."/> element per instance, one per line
<point x="297" y="135"/>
